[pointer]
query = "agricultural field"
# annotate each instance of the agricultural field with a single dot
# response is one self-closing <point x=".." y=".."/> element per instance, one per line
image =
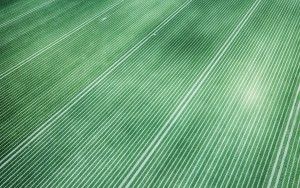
<point x="134" y="93"/>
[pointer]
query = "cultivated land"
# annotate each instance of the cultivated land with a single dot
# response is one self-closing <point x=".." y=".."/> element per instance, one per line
<point x="131" y="93"/>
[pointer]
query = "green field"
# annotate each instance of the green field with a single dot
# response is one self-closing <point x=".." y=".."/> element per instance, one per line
<point x="132" y="93"/>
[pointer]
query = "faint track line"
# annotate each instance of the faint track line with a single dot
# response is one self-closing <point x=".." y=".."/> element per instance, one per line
<point x="49" y="46"/>
<point x="19" y="34"/>
<point x="25" y="14"/>
<point x="13" y="6"/>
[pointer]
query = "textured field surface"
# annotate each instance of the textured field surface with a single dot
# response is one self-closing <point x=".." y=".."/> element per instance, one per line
<point x="131" y="93"/>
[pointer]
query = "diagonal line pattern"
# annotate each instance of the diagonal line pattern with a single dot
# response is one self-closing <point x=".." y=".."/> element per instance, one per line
<point x="141" y="162"/>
